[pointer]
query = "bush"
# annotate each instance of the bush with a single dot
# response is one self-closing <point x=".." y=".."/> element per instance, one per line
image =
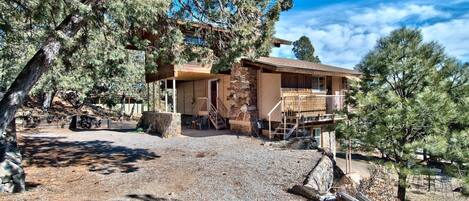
<point x="465" y="189"/>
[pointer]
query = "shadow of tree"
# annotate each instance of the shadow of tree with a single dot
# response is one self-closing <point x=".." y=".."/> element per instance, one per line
<point x="99" y="156"/>
<point x="148" y="197"/>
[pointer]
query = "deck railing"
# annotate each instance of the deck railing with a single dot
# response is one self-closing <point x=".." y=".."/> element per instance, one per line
<point x="276" y="107"/>
<point x="202" y="106"/>
<point x="313" y="105"/>
<point x="306" y="108"/>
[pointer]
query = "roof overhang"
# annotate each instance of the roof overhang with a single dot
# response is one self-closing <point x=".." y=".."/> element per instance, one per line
<point x="293" y="69"/>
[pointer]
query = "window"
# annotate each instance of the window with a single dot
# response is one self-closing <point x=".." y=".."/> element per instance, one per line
<point x="194" y="40"/>
<point x="318" y="83"/>
<point x="296" y="81"/>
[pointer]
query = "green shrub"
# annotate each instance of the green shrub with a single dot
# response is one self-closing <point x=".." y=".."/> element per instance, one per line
<point x="465" y="189"/>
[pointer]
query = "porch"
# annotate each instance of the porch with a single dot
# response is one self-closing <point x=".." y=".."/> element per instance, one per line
<point x="191" y="91"/>
<point x="302" y="115"/>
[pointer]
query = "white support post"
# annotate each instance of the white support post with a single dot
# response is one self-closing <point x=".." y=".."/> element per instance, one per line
<point x="174" y="95"/>
<point x="166" y="95"/>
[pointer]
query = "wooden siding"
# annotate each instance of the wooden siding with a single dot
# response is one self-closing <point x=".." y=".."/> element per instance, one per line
<point x="189" y="91"/>
<point x="304" y="101"/>
<point x="269" y="95"/>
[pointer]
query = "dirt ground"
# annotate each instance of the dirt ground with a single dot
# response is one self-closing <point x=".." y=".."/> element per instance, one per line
<point x="200" y="165"/>
<point x="418" y="190"/>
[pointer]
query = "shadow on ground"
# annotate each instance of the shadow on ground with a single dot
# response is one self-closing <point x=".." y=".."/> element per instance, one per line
<point x="205" y="133"/>
<point x="148" y="197"/>
<point x="359" y="157"/>
<point x="99" y="156"/>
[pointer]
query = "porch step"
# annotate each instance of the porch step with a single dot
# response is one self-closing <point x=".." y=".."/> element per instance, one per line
<point x="285" y="129"/>
<point x="215" y="117"/>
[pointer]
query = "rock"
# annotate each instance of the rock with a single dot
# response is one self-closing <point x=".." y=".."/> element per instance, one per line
<point x="302" y="143"/>
<point x="322" y="176"/>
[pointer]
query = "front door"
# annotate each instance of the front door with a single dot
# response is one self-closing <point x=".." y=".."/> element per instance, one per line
<point x="213" y="88"/>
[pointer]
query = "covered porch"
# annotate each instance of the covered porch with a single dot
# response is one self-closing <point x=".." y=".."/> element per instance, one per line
<point x="191" y="91"/>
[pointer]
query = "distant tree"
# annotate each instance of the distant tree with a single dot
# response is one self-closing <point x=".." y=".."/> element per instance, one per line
<point x="90" y="37"/>
<point x="411" y="98"/>
<point x="304" y="50"/>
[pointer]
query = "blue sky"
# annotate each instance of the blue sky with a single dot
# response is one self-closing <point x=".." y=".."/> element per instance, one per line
<point x="344" y="31"/>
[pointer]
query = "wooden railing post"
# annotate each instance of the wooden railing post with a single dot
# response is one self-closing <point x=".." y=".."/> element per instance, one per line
<point x="284" y="121"/>
<point x="270" y="128"/>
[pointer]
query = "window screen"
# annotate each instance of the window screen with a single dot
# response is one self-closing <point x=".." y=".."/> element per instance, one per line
<point x="318" y="83"/>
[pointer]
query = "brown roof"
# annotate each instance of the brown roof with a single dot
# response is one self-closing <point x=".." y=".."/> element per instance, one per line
<point x="280" y="41"/>
<point x="293" y="63"/>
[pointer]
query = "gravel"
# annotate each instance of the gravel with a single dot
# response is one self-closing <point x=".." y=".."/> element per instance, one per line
<point x="200" y="165"/>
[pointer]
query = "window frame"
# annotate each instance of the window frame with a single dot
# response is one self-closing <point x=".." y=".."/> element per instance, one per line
<point x="321" y="86"/>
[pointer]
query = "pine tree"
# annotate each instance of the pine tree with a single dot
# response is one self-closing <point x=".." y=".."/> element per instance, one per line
<point x="304" y="50"/>
<point x="84" y="37"/>
<point x="412" y="98"/>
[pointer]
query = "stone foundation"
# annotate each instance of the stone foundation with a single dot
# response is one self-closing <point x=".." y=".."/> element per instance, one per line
<point x="165" y="124"/>
<point x="243" y="98"/>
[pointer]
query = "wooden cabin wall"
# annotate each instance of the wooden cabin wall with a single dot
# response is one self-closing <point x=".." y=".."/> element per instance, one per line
<point x="189" y="91"/>
<point x="268" y="94"/>
<point x="337" y="88"/>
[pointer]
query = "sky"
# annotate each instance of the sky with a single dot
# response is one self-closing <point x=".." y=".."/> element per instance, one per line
<point x="342" y="32"/>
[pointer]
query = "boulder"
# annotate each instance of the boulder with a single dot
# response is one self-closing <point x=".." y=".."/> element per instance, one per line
<point x="321" y="177"/>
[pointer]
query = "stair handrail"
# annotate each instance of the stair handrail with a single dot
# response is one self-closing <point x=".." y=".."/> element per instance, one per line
<point x="213" y="109"/>
<point x="222" y="108"/>
<point x="270" y="114"/>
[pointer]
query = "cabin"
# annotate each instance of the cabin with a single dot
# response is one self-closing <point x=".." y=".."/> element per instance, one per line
<point x="275" y="97"/>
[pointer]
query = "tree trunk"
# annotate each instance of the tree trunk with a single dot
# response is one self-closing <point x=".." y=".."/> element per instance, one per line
<point x="132" y="110"/>
<point x="12" y="175"/>
<point x="19" y="89"/>
<point x="122" y="110"/>
<point x="401" y="188"/>
<point x="47" y="100"/>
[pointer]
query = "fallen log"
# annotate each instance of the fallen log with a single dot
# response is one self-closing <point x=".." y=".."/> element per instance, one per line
<point x="305" y="191"/>
<point x="345" y="197"/>
<point x="362" y="197"/>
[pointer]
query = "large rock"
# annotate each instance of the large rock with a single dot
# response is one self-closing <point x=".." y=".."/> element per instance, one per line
<point x="163" y="123"/>
<point x="321" y="177"/>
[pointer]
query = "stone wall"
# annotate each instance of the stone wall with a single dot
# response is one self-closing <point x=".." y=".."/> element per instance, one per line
<point x="243" y="98"/>
<point x="165" y="124"/>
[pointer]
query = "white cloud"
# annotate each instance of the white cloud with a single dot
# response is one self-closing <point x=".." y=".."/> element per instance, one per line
<point x="343" y="34"/>
<point x="386" y="15"/>
<point x="453" y="34"/>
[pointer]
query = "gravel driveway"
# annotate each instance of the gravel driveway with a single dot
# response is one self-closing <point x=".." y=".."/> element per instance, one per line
<point x="200" y="165"/>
